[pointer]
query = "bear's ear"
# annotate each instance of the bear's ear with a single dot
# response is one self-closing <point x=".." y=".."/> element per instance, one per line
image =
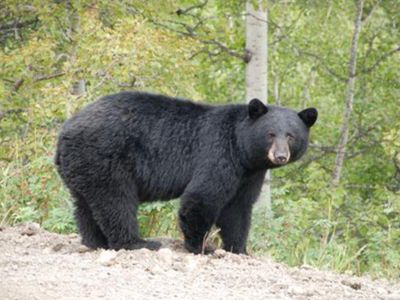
<point x="257" y="108"/>
<point x="309" y="116"/>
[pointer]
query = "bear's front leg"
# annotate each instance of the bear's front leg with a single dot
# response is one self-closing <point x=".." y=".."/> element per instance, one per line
<point x="235" y="218"/>
<point x="213" y="185"/>
<point x="196" y="216"/>
<point x="234" y="222"/>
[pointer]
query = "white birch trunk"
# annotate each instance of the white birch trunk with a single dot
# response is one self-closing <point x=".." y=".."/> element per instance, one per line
<point x="257" y="73"/>
<point x="256" y="45"/>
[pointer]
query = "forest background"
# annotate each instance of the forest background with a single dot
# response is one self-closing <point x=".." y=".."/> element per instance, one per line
<point x="56" y="56"/>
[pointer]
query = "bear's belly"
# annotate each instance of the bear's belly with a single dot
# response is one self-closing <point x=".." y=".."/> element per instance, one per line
<point x="160" y="193"/>
<point x="162" y="186"/>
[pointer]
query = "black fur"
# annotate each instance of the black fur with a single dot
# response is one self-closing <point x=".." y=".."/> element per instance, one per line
<point x="134" y="147"/>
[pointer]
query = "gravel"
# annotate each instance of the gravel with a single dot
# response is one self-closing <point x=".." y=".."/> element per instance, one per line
<point x="36" y="264"/>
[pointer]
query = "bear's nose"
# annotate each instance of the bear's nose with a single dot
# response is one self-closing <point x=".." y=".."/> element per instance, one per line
<point x="280" y="159"/>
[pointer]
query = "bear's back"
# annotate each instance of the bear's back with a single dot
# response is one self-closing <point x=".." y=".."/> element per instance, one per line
<point x="147" y="104"/>
<point x="150" y="135"/>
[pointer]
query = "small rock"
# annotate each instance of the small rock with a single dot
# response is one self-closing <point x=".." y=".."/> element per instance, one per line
<point x="143" y="251"/>
<point x="381" y="291"/>
<point x="107" y="257"/>
<point x="189" y="263"/>
<point x="393" y="297"/>
<point x="47" y="250"/>
<point x="278" y="287"/>
<point x="307" y="267"/>
<point x="353" y="284"/>
<point x="58" y="247"/>
<point x="219" y="253"/>
<point x="235" y="258"/>
<point x="30" y="229"/>
<point x="83" y="249"/>
<point x="296" y="290"/>
<point x="155" y="269"/>
<point x="165" y="255"/>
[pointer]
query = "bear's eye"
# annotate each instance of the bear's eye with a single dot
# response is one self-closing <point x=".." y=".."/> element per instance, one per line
<point x="271" y="134"/>
<point x="290" y="137"/>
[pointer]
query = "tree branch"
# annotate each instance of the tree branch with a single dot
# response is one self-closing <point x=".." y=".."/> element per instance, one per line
<point x="185" y="11"/>
<point x="19" y="82"/>
<point x="323" y="64"/>
<point x="380" y="60"/>
<point x="226" y="49"/>
<point x="367" y="17"/>
<point x="46" y="77"/>
<point x="191" y="33"/>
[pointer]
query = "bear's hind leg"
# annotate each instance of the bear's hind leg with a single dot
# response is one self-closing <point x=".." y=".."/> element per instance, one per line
<point x="91" y="234"/>
<point x="114" y="208"/>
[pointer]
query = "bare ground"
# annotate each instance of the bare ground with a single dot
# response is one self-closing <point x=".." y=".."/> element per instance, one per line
<point x="36" y="264"/>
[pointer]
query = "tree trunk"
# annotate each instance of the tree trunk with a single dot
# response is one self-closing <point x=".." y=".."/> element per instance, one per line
<point x="344" y="132"/>
<point x="79" y="86"/>
<point x="257" y="72"/>
<point x="256" y="46"/>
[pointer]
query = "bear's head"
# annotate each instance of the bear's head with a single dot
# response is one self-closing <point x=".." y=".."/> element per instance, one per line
<point x="272" y="136"/>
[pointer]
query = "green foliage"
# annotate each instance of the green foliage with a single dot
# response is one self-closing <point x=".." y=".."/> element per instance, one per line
<point x="330" y="228"/>
<point x="174" y="47"/>
<point x="159" y="218"/>
<point x="32" y="192"/>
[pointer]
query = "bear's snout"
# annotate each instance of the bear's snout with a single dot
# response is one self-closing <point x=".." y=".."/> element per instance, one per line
<point x="279" y="154"/>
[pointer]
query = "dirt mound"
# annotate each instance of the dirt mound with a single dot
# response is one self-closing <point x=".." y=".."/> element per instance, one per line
<point x="36" y="264"/>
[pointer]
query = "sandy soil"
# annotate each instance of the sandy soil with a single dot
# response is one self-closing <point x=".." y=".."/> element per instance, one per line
<point x="36" y="264"/>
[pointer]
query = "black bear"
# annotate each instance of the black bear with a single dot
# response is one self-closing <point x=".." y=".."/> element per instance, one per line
<point x="134" y="147"/>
